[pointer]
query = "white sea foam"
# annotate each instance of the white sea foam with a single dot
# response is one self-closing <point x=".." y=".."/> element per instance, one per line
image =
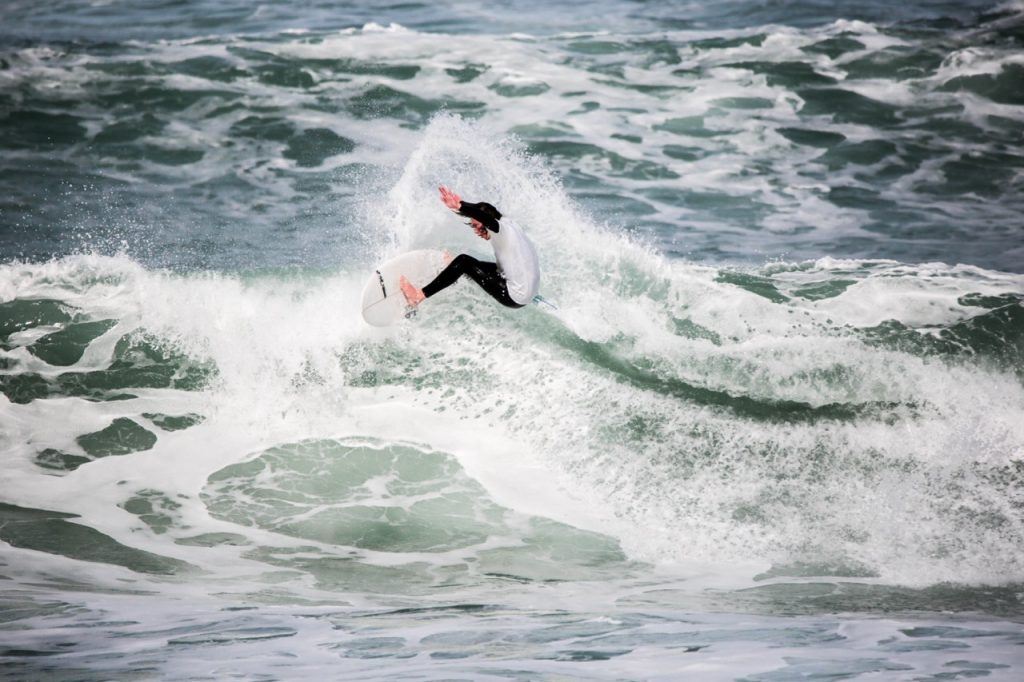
<point x="619" y="457"/>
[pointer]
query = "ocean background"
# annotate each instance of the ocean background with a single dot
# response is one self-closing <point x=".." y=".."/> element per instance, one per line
<point x="773" y="431"/>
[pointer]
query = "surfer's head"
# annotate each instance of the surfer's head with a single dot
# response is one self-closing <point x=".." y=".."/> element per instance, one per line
<point x="483" y="213"/>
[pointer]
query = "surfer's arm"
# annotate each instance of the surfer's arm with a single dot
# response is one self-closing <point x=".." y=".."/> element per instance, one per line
<point x="450" y="198"/>
<point x="484" y="227"/>
<point x="481" y="224"/>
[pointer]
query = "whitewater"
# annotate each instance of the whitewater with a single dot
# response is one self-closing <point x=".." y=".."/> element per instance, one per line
<point x="772" y="431"/>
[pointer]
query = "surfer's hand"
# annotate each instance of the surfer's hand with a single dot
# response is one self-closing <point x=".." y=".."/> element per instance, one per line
<point x="480" y="230"/>
<point x="450" y="198"/>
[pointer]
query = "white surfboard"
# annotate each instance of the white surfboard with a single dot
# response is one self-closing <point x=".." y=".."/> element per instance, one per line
<point x="383" y="302"/>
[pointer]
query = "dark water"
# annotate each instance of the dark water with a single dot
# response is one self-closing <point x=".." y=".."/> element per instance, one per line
<point x="145" y="19"/>
<point x="215" y="136"/>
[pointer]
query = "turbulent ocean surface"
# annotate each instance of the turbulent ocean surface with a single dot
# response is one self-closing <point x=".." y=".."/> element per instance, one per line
<point x="773" y="431"/>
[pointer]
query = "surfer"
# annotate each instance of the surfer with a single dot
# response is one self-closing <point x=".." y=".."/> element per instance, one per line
<point x="513" y="280"/>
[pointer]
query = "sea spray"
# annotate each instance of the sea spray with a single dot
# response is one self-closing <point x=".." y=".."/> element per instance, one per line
<point x="722" y="409"/>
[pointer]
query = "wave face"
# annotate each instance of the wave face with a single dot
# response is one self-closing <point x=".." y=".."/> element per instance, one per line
<point x="783" y="379"/>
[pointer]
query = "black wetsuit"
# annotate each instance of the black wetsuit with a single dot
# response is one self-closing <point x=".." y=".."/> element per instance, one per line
<point x="483" y="273"/>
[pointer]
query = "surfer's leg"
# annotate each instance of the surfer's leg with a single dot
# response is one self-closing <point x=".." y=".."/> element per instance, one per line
<point x="491" y="281"/>
<point x="444" y="279"/>
<point x="447" y="277"/>
<point x="483" y="273"/>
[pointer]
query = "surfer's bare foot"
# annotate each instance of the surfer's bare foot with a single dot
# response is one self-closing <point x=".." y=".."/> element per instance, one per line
<point x="412" y="295"/>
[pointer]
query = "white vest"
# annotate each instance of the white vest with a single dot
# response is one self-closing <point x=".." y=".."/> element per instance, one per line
<point x="517" y="261"/>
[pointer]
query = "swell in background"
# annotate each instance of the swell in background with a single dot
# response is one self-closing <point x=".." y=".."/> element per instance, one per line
<point x="775" y="131"/>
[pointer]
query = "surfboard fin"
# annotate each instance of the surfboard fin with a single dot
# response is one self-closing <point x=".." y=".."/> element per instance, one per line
<point x="540" y="300"/>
